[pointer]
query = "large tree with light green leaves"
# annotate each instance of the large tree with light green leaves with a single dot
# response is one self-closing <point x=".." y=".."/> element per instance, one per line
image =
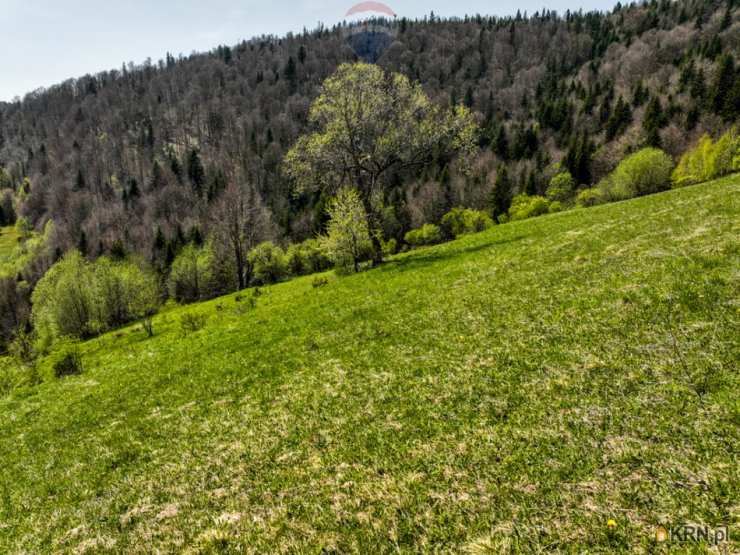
<point x="368" y="124"/>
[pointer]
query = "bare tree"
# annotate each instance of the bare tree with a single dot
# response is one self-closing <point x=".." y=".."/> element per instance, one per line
<point x="239" y="222"/>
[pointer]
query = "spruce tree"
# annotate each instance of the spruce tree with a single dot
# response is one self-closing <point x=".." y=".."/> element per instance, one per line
<point x="501" y="193"/>
<point x="721" y="94"/>
<point x="653" y="121"/>
<point x="501" y="144"/>
<point x="196" y="173"/>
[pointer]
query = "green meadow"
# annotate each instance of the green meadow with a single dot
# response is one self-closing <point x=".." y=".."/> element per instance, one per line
<point x="8" y="243"/>
<point x="566" y="383"/>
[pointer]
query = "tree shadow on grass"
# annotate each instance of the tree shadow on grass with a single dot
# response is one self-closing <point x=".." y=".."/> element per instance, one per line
<point x="432" y="255"/>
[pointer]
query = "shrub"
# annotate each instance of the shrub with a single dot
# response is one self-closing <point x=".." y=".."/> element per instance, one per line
<point x="65" y="360"/>
<point x="64" y="302"/>
<point x="23" y="228"/>
<point x="561" y="188"/>
<point x="190" y="322"/>
<point x="348" y="240"/>
<point x="644" y="172"/>
<point x="460" y="221"/>
<point x="68" y="365"/>
<point x="555" y="207"/>
<point x="307" y="258"/>
<point x="708" y="160"/>
<point x="525" y="206"/>
<point x="320" y="281"/>
<point x="124" y="291"/>
<point x="191" y="276"/>
<point x="428" y="234"/>
<point x="590" y="197"/>
<point x="268" y="262"/>
<point x="390" y="247"/>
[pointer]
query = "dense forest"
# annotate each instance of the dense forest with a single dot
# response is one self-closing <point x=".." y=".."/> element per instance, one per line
<point x="138" y="160"/>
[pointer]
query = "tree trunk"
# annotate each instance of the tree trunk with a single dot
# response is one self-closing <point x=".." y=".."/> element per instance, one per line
<point x="373" y="224"/>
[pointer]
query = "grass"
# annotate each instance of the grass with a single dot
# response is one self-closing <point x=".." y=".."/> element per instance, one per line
<point x="512" y="391"/>
<point x="8" y="242"/>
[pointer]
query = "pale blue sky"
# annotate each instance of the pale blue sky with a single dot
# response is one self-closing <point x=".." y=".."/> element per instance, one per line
<point x="43" y="42"/>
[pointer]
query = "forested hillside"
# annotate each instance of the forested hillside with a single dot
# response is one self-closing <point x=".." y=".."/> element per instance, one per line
<point x="146" y="164"/>
<point x="138" y="155"/>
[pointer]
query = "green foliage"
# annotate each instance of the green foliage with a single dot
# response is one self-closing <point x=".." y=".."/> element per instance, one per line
<point x="590" y="197"/>
<point x="725" y="91"/>
<point x="307" y="258"/>
<point x="190" y="322"/>
<point x="561" y="188"/>
<point x="125" y="292"/>
<point x="428" y="234"/>
<point x="23" y="228"/>
<point x="347" y="242"/>
<point x="460" y="221"/>
<point x="644" y="172"/>
<point x="389" y="118"/>
<point x="373" y="125"/>
<point x="269" y="263"/>
<point x="577" y="159"/>
<point x="708" y="160"/>
<point x="653" y="121"/>
<point x="18" y="253"/>
<point x="501" y="194"/>
<point x="619" y="120"/>
<point x="319" y="281"/>
<point x="66" y="361"/>
<point x="64" y="303"/>
<point x="390" y="247"/>
<point x="525" y="206"/>
<point x="79" y="299"/>
<point x="191" y="276"/>
<point x="555" y="207"/>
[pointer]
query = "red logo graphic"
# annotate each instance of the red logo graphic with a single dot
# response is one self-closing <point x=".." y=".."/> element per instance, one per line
<point x="377" y="7"/>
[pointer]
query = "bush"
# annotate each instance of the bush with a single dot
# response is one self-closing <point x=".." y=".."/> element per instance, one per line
<point x="125" y="291"/>
<point x="191" y="276"/>
<point x="708" y="160"/>
<point x="562" y="187"/>
<point x="590" y="197"/>
<point x="268" y="262"/>
<point x="68" y="365"/>
<point x="65" y="360"/>
<point x="320" y="281"/>
<point x="79" y="299"/>
<point x="190" y="322"/>
<point x="460" y="221"/>
<point x="644" y="172"/>
<point x="428" y="234"/>
<point x="555" y="207"/>
<point x="525" y="206"/>
<point x="307" y="258"/>
<point x="390" y="247"/>
<point x="64" y="302"/>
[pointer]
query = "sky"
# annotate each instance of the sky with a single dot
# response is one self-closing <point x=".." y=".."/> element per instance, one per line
<point x="44" y="42"/>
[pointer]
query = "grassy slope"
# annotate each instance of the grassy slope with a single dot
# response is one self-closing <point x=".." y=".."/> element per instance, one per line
<point x="8" y="243"/>
<point x="513" y="389"/>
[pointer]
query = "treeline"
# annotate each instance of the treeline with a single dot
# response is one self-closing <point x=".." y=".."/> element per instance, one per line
<point x="79" y="299"/>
